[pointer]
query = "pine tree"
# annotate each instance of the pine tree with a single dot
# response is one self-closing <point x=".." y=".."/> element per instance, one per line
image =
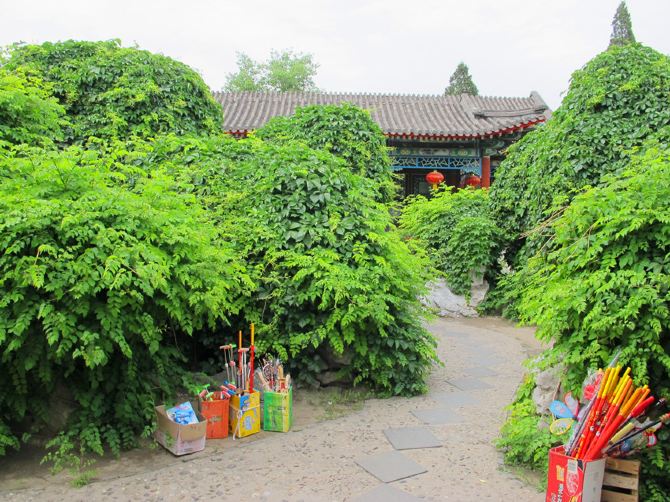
<point x="622" y="28"/>
<point x="461" y="82"/>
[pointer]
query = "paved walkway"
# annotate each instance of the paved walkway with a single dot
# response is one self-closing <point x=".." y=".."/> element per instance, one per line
<point x="464" y="411"/>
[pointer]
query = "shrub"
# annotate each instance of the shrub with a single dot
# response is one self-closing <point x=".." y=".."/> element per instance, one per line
<point x="347" y="132"/>
<point x="605" y="283"/>
<point x="28" y="113"/>
<point x="458" y="231"/>
<point x="614" y="103"/>
<point x="97" y="285"/>
<point x="333" y="275"/>
<point x="525" y="438"/>
<point x="111" y="91"/>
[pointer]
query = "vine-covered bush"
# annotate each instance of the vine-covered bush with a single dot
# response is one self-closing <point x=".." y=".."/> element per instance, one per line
<point x="334" y="272"/>
<point x="614" y="103"/>
<point x="334" y="278"/>
<point x="28" y="113"/>
<point x="97" y="285"/>
<point x="605" y="283"/>
<point x="112" y="91"/>
<point x="457" y="229"/>
<point x="345" y="131"/>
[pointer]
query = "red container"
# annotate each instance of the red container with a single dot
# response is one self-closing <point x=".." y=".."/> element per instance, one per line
<point x="216" y="412"/>
<point x="573" y="480"/>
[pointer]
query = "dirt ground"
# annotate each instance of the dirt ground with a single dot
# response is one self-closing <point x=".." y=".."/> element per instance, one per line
<point x="332" y="428"/>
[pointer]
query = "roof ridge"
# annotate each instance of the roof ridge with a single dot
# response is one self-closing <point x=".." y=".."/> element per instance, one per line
<point x="380" y="94"/>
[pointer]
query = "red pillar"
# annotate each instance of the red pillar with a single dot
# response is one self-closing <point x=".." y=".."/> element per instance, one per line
<point x="486" y="172"/>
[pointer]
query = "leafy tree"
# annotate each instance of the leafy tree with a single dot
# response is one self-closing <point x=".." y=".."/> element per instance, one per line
<point x="347" y="132"/>
<point x="97" y="284"/>
<point x="622" y="28"/>
<point x="604" y="286"/>
<point x="461" y="82"/>
<point x="284" y="71"/>
<point x="457" y="229"/>
<point x="110" y="91"/>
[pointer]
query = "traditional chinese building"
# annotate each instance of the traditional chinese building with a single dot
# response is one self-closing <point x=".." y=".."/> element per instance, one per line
<point x="456" y="135"/>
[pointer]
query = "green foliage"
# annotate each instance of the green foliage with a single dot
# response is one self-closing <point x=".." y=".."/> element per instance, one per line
<point x="614" y="103"/>
<point x="622" y="28"/>
<point x="457" y="230"/>
<point x="111" y="91"/>
<point x="62" y="456"/>
<point x="604" y="284"/>
<point x="332" y="273"/>
<point x="283" y="72"/>
<point x="461" y="82"/>
<point x="525" y="438"/>
<point x="346" y="131"/>
<point x="28" y="114"/>
<point x="98" y="283"/>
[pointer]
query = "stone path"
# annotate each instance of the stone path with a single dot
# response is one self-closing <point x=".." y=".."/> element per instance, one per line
<point x="328" y="460"/>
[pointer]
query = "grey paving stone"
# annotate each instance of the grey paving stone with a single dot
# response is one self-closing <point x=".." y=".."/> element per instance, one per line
<point x="487" y="361"/>
<point x="390" y="466"/>
<point x="456" y="399"/>
<point x="385" y="493"/>
<point x="456" y="334"/>
<point x="480" y="371"/>
<point x="438" y="416"/>
<point x="408" y="438"/>
<point x="470" y="384"/>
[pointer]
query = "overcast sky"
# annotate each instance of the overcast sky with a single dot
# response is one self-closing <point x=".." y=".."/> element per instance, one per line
<point x="411" y="46"/>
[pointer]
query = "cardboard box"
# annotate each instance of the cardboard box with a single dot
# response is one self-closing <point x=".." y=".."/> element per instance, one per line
<point x="177" y="438"/>
<point x="245" y="414"/>
<point x="573" y="480"/>
<point x="216" y="413"/>
<point x="278" y="411"/>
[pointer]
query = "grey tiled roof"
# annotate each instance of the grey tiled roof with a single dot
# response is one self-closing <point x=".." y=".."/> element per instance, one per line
<point x="398" y="115"/>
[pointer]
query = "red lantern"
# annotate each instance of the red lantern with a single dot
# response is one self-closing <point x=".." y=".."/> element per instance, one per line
<point x="473" y="180"/>
<point x="434" y="178"/>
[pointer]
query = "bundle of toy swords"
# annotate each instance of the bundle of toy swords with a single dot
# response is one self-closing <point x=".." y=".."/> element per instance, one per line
<point x="619" y="420"/>
<point x="271" y="377"/>
<point x="240" y="373"/>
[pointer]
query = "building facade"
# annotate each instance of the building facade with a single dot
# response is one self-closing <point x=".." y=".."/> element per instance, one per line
<point x="457" y="136"/>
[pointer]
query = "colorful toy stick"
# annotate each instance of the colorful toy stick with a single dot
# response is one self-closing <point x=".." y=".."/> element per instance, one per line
<point x="610" y="427"/>
<point x="618" y="398"/>
<point x="239" y="361"/>
<point x="251" y="360"/>
<point x="630" y="422"/>
<point x="644" y="420"/>
<point x="664" y="419"/>
<point x="595" y="412"/>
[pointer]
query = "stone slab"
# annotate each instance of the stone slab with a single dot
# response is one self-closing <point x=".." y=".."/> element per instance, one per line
<point x="438" y="416"/>
<point x="480" y="371"/>
<point x="456" y="399"/>
<point x="409" y="438"/>
<point x="470" y="384"/>
<point x="385" y="493"/>
<point x="390" y="466"/>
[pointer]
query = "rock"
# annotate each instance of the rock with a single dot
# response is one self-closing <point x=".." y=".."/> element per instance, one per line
<point x="334" y="360"/>
<point x="332" y="377"/>
<point x="478" y="289"/>
<point x="546" y="385"/>
<point x="447" y="304"/>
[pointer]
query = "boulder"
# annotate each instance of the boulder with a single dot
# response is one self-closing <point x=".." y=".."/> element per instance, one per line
<point x="547" y="384"/>
<point x="447" y="304"/>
